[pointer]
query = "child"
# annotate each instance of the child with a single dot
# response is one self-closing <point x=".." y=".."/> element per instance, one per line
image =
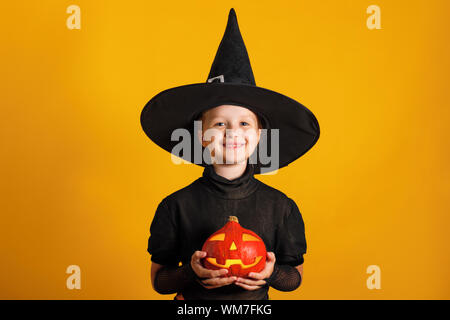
<point x="236" y="111"/>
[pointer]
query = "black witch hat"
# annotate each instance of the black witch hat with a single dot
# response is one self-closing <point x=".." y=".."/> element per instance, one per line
<point x="231" y="81"/>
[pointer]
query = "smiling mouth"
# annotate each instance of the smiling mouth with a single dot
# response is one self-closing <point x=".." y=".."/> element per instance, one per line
<point x="230" y="262"/>
<point x="234" y="145"/>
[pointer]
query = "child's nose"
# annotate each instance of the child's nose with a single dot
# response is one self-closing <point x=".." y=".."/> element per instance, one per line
<point x="233" y="132"/>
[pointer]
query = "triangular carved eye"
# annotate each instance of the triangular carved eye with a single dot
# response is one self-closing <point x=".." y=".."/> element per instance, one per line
<point x="217" y="79"/>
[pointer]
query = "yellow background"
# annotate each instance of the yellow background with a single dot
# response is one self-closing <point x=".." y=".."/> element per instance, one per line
<point x="80" y="181"/>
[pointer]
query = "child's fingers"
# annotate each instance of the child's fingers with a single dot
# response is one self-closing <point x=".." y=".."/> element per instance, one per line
<point x="215" y="273"/>
<point x="246" y="286"/>
<point x="201" y="271"/>
<point x="257" y="276"/>
<point x="251" y="282"/>
<point x="271" y="257"/>
<point x="198" y="255"/>
<point x="206" y="273"/>
<point x="219" y="281"/>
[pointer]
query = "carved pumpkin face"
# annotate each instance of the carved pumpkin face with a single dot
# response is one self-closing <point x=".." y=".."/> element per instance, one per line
<point x="239" y="250"/>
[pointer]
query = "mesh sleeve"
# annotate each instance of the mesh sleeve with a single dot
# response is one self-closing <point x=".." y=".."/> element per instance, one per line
<point x="173" y="279"/>
<point x="284" y="278"/>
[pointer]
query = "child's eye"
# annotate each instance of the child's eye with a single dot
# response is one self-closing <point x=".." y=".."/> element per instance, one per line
<point x="219" y="123"/>
<point x="245" y="123"/>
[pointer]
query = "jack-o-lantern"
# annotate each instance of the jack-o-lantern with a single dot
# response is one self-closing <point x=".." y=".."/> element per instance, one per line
<point x="235" y="248"/>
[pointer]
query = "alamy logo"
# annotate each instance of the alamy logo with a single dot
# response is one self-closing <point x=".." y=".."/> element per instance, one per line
<point x="374" y="280"/>
<point x="74" y="20"/>
<point x="74" y="280"/>
<point x="374" y="20"/>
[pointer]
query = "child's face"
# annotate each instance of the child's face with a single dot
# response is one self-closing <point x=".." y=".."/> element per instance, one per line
<point x="231" y="133"/>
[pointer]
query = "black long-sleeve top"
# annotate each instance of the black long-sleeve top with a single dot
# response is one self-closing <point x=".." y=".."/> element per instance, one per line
<point x="186" y="218"/>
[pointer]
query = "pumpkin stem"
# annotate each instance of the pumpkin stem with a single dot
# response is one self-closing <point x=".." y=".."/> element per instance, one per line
<point x="233" y="218"/>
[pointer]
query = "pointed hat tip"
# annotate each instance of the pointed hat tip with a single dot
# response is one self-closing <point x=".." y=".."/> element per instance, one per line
<point x="232" y="12"/>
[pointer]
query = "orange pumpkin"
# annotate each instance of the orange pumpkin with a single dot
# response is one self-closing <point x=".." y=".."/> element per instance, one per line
<point x="235" y="248"/>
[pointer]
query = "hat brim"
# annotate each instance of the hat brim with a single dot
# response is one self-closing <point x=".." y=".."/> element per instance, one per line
<point x="178" y="108"/>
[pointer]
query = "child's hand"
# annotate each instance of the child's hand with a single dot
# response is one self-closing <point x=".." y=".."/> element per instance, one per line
<point x="209" y="279"/>
<point x="256" y="280"/>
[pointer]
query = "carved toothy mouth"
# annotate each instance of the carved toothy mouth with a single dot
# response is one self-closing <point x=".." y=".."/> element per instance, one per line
<point x="230" y="262"/>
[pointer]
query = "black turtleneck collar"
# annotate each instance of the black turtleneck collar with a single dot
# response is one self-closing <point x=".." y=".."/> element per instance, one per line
<point x="238" y="188"/>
